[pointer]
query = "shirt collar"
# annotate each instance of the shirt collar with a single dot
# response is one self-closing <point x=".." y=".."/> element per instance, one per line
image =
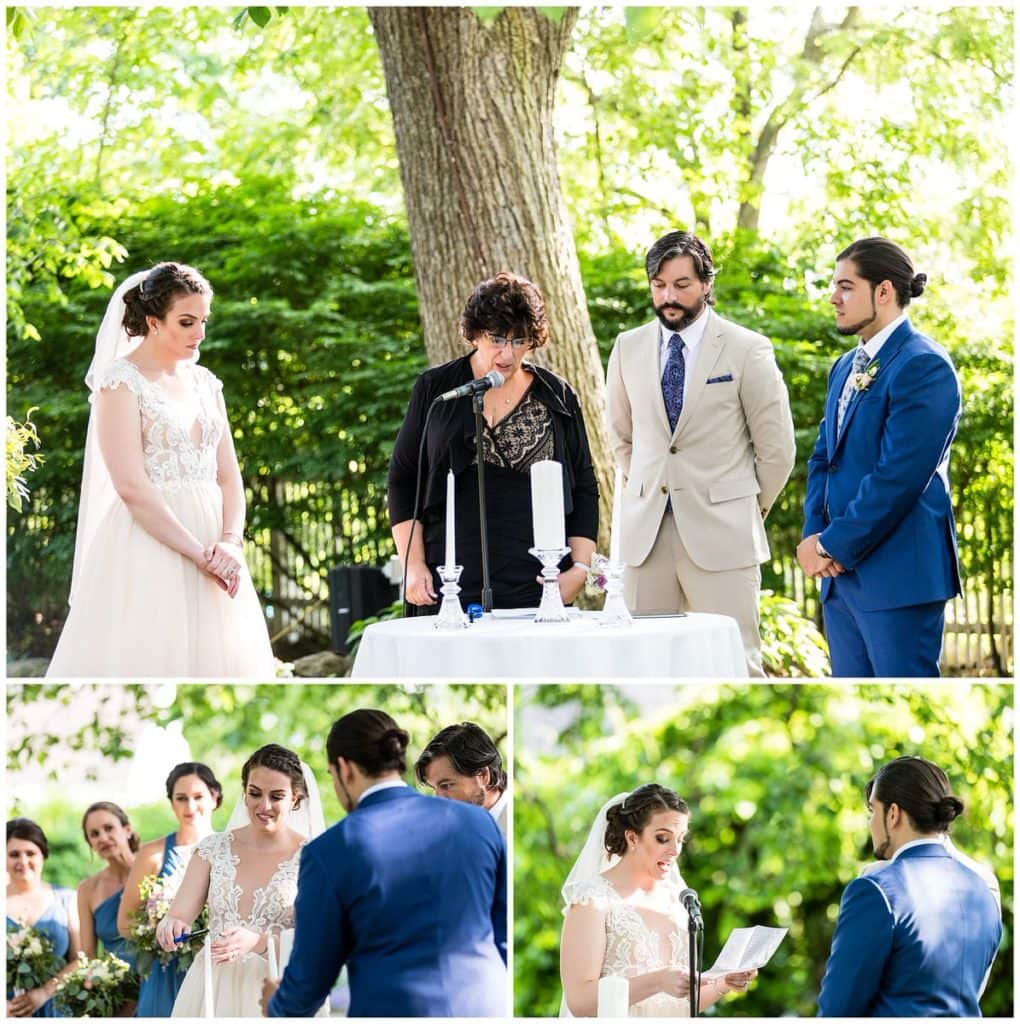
<point x="497" y="808"/>
<point x="379" y="786"/>
<point x="925" y="841"/>
<point x="872" y="347"/>
<point x="692" y="334"/>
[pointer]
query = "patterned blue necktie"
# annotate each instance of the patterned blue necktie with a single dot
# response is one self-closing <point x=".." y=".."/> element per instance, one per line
<point x="673" y="380"/>
<point x="860" y="361"/>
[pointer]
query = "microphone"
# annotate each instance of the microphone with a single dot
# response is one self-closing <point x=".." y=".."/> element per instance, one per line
<point x="689" y="898"/>
<point x="493" y="379"/>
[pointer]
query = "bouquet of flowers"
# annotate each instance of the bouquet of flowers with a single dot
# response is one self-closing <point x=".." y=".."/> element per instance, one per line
<point x="598" y="574"/>
<point x="157" y="894"/>
<point x="96" y="988"/>
<point x="31" y="958"/>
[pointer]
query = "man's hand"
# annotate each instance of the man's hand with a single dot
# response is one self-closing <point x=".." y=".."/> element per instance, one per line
<point x="269" y="987"/>
<point x="813" y="564"/>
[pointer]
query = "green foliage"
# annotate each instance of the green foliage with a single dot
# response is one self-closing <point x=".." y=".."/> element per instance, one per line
<point x="774" y="776"/>
<point x="22" y="457"/>
<point x="791" y="645"/>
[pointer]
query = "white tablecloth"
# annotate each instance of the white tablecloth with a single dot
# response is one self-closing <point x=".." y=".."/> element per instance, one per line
<point x="518" y="648"/>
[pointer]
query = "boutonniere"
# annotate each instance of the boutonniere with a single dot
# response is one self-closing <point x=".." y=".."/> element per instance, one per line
<point x="862" y="380"/>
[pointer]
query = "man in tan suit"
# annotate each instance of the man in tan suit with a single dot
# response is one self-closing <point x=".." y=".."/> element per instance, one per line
<point x="699" y="419"/>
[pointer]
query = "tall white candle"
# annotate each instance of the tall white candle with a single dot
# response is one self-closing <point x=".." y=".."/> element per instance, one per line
<point x="614" y="997"/>
<point x="286" y="945"/>
<point x="547" y="505"/>
<point x="207" y="977"/>
<point x="274" y="970"/>
<point x="451" y="519"/>
<point x="616" y="525"/>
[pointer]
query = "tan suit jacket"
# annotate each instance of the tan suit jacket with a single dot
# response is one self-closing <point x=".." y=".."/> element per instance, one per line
<point x="726" y="462"/>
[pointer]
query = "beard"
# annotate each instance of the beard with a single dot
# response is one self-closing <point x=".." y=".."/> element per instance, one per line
<point x="861" y="324"/>
<point x="688" y="314"/>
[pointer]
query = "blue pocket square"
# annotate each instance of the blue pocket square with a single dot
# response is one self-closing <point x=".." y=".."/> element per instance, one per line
<point x="720" y="380"/>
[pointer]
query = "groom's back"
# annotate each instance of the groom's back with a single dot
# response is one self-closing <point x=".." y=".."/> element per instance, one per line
<point x="423" y="885"/>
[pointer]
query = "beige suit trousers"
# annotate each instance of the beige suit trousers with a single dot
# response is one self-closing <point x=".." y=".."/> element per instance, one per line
<point x="669" y="581"/>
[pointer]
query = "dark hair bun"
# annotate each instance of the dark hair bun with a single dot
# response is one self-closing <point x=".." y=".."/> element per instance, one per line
<point x="634" y="813"/>
<point x="162" y="286"/>
<point x="917" y="285"/>
<point x="948" y="809"/>
<point x="393" y="742"/>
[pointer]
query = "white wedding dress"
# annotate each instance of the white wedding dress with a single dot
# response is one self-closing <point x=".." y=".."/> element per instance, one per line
<point x="237" y="986"/>
<point x="639" y="939"/>
<point x="139" y="608"/>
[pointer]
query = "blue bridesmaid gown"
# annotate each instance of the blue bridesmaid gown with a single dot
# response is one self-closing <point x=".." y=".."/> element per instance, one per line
<point x="105" y="916"/>
<point x="55" y="923"/>
<point x="159" y="990"/>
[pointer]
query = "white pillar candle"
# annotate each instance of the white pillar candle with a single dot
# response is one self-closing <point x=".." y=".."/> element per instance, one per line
<point x="615" y="525"/>
<point x="286" y="945"/>
<point x="274" y="970"/>
<point x="547" y="505"/>
<point x="451" y="518"/>
<point x="207" y="977"/>
<point x="614" y="997"/>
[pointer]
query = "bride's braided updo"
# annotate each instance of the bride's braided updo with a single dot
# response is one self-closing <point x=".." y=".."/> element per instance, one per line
<point x="371" y="739"/>
<point x="636" y="811"/>
<point x="157" y="293"/>
<point x="278" y="759"/>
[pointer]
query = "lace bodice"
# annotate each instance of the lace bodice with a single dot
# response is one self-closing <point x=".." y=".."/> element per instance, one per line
<point x="639" y="939"/>
<point x="179" y="440"/>
<point x="230" y="905"/>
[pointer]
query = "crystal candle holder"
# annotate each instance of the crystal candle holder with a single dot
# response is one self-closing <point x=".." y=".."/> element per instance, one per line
<point x="451" y="615"/>
<point x="551" y="607"/>
<point x="615" y="611"/>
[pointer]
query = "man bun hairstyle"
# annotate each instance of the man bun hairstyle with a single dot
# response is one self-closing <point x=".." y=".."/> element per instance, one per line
<point x="877" y="260"/>
<point x="203" y="771"/>
<point x="111" y="808"/>
<point x="921" y="789"/>
<point x="470" y="750"/>
<point x="278" y="759"/>
<point x="162" y="286"/>
<point x="371" y="739"/>
<point x="634" y="813"/>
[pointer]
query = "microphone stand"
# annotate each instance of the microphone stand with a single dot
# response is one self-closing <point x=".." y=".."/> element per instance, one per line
<point x="694" y="961"/>
<point x="478" y="401"/>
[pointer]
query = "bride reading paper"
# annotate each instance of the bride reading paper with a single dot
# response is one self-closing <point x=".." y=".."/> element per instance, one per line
<point x="248" y="876"/>
<point x="623" y="915"/>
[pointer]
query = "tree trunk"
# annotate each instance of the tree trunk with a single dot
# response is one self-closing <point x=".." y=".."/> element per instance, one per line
<point x="472" y="106"/>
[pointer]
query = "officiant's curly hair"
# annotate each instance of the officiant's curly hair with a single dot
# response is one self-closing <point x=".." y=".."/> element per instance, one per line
<point x="504" y="305"/>
<point x="634" y="813"/>
<point x="278" y="759"/>
<point x="371" y="739"/>
<point x="470" y="750"/>
<point x="920" y="788"/>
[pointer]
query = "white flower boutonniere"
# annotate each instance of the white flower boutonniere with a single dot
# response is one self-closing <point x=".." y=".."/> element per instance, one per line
<point x="862" y="381"/>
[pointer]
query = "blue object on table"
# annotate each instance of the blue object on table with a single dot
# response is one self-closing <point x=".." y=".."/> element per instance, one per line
<point x="474" y="611"/>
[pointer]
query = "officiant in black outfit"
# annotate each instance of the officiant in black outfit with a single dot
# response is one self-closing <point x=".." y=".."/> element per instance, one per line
<point x="534" y="415"/>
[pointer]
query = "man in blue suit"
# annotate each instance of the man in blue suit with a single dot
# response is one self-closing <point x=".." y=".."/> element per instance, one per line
<point x="408" y="891"/>
<point x="916" y="939"/>
<point x="878" y="516"/>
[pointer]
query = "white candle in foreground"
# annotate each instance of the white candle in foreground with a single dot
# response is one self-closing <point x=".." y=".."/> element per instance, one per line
<point x="547" y="505"/>
<point x="614" y="997"/>
<point x="451" y="557"/>
<point x="274" y="970"/>
<point x="286" y="945"/>
<point x="207" y="977"/>
<point x="615" y="524"/>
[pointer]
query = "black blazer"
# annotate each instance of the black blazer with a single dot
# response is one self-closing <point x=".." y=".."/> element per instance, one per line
<point x="450" y="444"/>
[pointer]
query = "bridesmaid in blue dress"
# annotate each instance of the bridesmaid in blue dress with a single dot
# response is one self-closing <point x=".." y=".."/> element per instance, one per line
<point x="34" y="902"/>
<point x="109" y="834"/>
<point x="194" y="794"/>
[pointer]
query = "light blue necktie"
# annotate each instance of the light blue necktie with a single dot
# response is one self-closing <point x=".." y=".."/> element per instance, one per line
<point x="860" y="361"/>
<point x="673" y="380"/>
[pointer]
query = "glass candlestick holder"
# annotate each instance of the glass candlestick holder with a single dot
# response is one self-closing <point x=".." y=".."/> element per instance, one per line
<point x="615" y="611"/>
<point x="551" y="607"/>
<point x="451" y="615"/>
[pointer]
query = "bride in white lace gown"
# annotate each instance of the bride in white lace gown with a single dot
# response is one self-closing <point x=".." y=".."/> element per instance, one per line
<point x="623" y="914"/>
<point x="248" y="876"/>
<point x="160" y="586"/>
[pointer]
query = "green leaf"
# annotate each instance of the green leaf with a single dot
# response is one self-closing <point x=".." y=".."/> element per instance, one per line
<point x="260" y="15"/>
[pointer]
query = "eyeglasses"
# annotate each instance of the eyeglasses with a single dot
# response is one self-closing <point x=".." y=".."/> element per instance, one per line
<point x="497" y="342"/>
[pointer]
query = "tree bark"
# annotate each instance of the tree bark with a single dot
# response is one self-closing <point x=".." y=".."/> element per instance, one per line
<point x="472" y="106"/>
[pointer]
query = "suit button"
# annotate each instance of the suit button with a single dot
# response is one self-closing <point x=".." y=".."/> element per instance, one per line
<point x="664" y="489"/>
<point x="672" y="449"/>
<point x="834" y="467"/>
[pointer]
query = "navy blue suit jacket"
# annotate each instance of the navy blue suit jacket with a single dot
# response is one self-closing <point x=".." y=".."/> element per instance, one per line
<point x="878" y="492"/>
<point x="408" y="891"/>
<point x="914" y="939"/>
